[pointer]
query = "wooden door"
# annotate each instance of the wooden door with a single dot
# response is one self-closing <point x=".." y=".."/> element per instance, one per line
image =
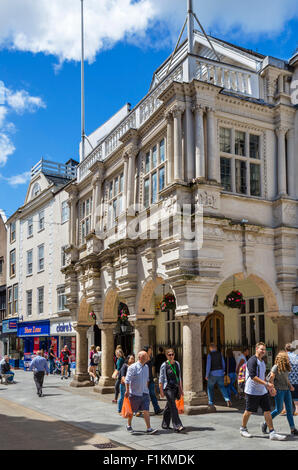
<point x="212" y="332"/>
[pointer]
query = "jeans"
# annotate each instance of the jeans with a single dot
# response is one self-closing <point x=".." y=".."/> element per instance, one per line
<point x="121" y="398"/>
<point x="219" y="380"/>
<point x="284" y="396"/>
<point x="52" y="365"/>
<point x="155" y="404"/>
<point x="231" y="387"/>
<point x="117" y="388"/>
<point x="10" y="376"/>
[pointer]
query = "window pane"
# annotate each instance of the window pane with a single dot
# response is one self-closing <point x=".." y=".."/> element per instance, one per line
<point x="161" y="178"/>
<point x="147" y="162"/>
<point x="225" y="173"/>
<point x="254" y="146"/>
<point x="243" y="331"/>
<point x="251" y="306"/>
<point x="116" y="186"/>
<point x="121" y="183"/>
<point x="262" y="328"/>
<point x="146" y="192"/>
<point x="261" y="304"/>
<point x="240" y="168"/>
<point x="255" y="180"/>
<point x="110" y="191"/>
<point x="162" y="151"/>
<point x="154" y="157"/>
<point x="225" y="140"/>
<point x="154" y="188"/>
<point x="239" y="143"/>
<point x="252" y="320"/>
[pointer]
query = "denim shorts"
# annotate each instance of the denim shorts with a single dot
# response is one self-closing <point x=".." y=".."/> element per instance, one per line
<point x="139" y="403"/>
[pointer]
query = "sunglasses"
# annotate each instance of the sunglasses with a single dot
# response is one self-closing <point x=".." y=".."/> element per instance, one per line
<point x="171" y="354"/>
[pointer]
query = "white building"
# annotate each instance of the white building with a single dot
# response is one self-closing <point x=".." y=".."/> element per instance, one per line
<point x="37" y="236"/>
<point x="217" y="129"/>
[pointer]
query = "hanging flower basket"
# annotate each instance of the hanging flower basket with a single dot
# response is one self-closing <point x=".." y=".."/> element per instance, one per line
<point x="168" y="303"/>
<point x="123" y="313"/>
<point x="92" y="315"/>
<point x="234" y="299"/>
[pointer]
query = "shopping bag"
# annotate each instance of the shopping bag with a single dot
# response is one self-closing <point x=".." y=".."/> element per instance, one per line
<point x="126" y="411"/>
<point x="180" y="405"/>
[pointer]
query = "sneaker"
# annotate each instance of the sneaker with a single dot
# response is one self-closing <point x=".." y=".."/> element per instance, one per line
<point x="264" y="428"/>
<point x="274" y="436"/>
<point x="62" y="377"/>
<point x="229" y="403"/>
<point x="129" y="429"/>
<point x="244" y="432"/>
<point x="294" y="432"/>
<point x="159" y="412"/>
<point x="151" y="431"/>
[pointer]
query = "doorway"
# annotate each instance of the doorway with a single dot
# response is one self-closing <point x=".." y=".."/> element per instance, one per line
<point x="213" y="331"/>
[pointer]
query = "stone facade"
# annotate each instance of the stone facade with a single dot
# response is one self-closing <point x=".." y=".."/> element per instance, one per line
<point x="221" y="139"/>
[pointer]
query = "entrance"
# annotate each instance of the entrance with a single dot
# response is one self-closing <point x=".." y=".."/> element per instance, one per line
<point x="212" y="332"/>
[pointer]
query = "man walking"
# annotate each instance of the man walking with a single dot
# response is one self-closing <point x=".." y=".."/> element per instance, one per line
<point x="39" y="365"/>
<point x="215" y="371"/>
<point x="256" y="393"/>
<point x="136" y="384"/>
<point x="151" y="385"/>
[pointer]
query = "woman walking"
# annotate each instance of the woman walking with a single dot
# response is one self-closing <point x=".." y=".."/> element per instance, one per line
<point x="170" y="385"/>
<point x="92" y="365"/>
<point x="279" y="376"/>
<point x="119" y="363"/>
<point x="129" y="360"/>
<point x="231" y="372"/>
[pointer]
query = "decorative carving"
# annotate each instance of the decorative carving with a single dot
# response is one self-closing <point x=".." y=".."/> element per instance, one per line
<point x="207" y="199"/>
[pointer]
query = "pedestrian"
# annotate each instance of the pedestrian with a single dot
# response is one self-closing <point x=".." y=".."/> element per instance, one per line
<point x="7" y="370"/>
<point x="170" y="385"/>
<point x="52" y="357"/>
<point x="231" y="373"/>
<point x="242" y="359"/>
<point x="136" y="384"/>
<point x="293" y="375"/>
<point x="256" y="393"/>
<point x="64" y="359"/>
<point x="97" y="362"/>
<point x="119" y="363"/>
<point x="39" y="365"/>
<point x="279" y="376"/>
<point x="123" y="371"/>
<point x="215" y="372"/>
<point x="159" y="360"/>
<point x="92" y="365"/>
<point x="157" y="409"/>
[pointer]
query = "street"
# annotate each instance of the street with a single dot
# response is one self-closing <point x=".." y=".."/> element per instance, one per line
<point x="79" y="419"/>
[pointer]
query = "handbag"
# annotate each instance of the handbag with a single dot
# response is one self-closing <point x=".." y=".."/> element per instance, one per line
<point x="115" y="374"/>
<point x="180" y="405"/>
<point x="126" y="411"/>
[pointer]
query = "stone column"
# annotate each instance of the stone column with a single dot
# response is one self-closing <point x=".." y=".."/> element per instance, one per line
<point x="96" y="209"/>
<point x="211" y="145"/>
<point x="141" y="334"/>
<point x="291" y="163"/>
<point x="170" y="156"/>
<point x="195" y="398"/>
<point x="125" y="177"/>
<point x="281" y="161"/>
<point x="81" y="377"/>
<point x="199" y="141"/>
<point x="72" y="202"/>
<point x="130" y="179"/>
<point x="106" y="383"/>
<point x="285" y="328"/>
<point x="190" y="145"/>
<point x="177" y="113"/>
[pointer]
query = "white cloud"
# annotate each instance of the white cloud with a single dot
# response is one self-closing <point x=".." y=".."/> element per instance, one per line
<point x="16" y="180"/>
<point x="53" y="27"/>
<point x="21" y="101"/>
<point x="6" y="148"/>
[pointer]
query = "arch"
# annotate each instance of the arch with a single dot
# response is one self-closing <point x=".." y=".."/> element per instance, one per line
<point x="110" y="312"/>
<point x="83" y="315"/>
<point x="147" y="292"/>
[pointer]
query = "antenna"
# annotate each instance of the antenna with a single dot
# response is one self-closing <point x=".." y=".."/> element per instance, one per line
<point x="191" y="16"/>
<point x="82" y="83"/>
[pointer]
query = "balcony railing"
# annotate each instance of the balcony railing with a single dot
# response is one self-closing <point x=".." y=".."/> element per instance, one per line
<point x="54" y="169"/>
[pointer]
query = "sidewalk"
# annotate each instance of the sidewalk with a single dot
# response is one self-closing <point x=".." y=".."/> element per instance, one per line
<point x="86" y="410"/>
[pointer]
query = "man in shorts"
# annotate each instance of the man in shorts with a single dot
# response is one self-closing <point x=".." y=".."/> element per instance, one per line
<point x="136" y="384"/>
<point x="256" y="393"/>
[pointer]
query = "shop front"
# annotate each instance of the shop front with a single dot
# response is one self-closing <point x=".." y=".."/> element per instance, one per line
<point x="65" y="334"/>
<point x="13" y="346"/>
<point x="36" y="336"/>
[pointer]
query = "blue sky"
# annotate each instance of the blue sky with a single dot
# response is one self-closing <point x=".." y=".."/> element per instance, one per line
<point x="43" y="115"/>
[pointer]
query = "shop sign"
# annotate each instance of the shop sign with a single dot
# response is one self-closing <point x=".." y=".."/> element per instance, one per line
<point x="62" y="328"/>
<point x="10" y="326"/>
<point x="34" y="329"/>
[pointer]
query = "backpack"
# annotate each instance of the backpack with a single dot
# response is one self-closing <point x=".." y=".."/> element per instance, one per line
<point x="241" y="377"/>
<point x="96" y="358"/>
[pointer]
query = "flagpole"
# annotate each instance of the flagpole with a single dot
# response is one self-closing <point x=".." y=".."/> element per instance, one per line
<point x="82" y="83"/>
